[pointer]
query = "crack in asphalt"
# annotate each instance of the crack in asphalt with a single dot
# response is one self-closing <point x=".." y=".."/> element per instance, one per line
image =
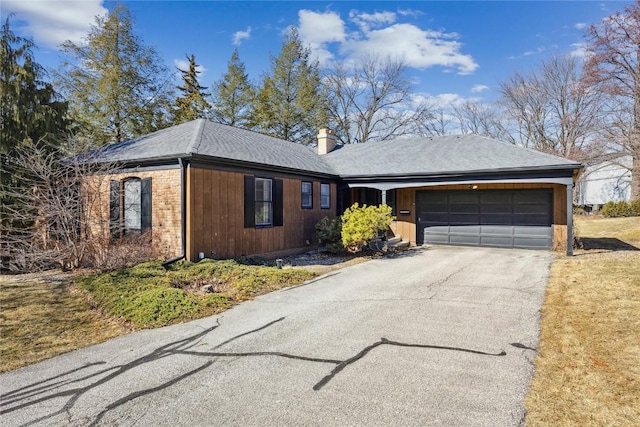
<point x="181" y="347"/>
<point x="384" y="341"/>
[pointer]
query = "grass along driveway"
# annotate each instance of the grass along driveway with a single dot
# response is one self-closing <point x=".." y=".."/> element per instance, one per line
<point x="587" y="371"/>
<point x="44" y="315"/>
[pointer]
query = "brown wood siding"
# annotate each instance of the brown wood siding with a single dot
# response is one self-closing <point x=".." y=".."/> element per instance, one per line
<point x="215" y="213"/>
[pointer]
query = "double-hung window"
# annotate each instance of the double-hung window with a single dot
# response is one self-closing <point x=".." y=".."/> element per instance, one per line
<point x="325" y="196"/>
<point x="307" y="195"/>
<point x="263" y="202"/>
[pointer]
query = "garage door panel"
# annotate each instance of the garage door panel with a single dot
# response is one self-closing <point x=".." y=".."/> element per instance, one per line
<point x="500" y="218"/>
<point x="531" y="208"/>
<point x="503" y="208"/>
<point x="531" y="243"/>
<point x="496" y="241"/>
<point x="496" y="230"/>
<point x="463" y="219"/>
<point x="530" y="219"/>
<point x="472" y="209"/>
<point x="462" y="239"/>
<point x="463" y="197"/>
<point x="428" y="218"/>
<point x="465" y="229"/>
<point x="495" y="219"/>
<point x="533" y="231"/>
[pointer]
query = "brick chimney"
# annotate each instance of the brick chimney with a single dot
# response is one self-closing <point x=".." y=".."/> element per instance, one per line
<point x="326" y="141"/>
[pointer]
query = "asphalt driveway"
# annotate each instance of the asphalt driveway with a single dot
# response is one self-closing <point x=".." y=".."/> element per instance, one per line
<point x="439" y="336"/>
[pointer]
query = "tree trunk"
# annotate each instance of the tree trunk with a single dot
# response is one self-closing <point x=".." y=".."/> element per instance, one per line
<point x="635" y="176"/>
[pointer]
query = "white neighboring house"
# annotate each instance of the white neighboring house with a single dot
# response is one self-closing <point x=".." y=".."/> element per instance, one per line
<point x="609" y="180"/>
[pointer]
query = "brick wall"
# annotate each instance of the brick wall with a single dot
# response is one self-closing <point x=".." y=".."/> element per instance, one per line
<point x="165" y="210"/>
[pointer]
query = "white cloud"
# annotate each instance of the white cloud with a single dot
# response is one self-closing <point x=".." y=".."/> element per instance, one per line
<point x="317" y="29"/>
<point x="51" y="23"/>
<point x="238" y="36"/>
<point x="479" y="88"/>
<point x="320" y="28"/>
<point x="537" y="51"/>
<point x="379" y="34"/>
<point x="580" y="25"/>
<point x="366" y="21"/>
<point x="418" y="48"/>
<point x="579" y="50"/>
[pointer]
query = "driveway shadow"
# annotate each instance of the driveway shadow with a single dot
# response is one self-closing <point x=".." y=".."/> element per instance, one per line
<point x="606" y="243"/>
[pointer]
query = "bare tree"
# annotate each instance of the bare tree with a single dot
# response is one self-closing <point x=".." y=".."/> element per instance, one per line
<point x="371" y="100"/>
<point x="551" y="110"/>
<point x="48" y="219"/>
<point x="476" y="117"/>
<point x="613" y="68"/>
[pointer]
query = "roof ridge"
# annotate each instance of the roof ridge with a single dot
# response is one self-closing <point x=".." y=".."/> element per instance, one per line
<point x="196" y="138"/>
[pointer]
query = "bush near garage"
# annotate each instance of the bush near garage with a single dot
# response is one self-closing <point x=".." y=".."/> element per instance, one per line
<point x="329" y="234"/>
<point x="362" y="224"/>
<point x="621" y="209"/>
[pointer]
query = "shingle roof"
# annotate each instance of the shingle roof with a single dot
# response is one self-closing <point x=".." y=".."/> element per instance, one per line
<point x="205" y="138"/>
<point x="438" y="155"/>
<point x="401" y="157"/>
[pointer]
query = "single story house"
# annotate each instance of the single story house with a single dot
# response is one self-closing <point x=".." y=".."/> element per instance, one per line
<point x="212" y="190"/>
<point x="608" y="180"/>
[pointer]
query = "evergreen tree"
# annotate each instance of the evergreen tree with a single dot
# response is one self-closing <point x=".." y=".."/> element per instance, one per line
<point x="118" y="88"/>
<point x="192" y="104"/>
<point x="31" y="112"/>
<point x="31" y="109"/>
<point x="291" y="102"/>
<point x="233" y="94"/>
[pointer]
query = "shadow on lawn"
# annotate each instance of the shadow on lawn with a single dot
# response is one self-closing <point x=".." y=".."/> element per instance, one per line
<point x="607" y="243"/>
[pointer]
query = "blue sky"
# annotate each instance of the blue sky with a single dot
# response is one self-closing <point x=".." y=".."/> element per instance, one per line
<point x="455" y="50"/>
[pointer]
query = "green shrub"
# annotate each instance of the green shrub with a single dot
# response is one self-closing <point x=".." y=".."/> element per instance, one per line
<point x="147" y="295"/>
<point x="620" y="209"/>
<point x="363" y="224"/>
<point x="329" y="234"/>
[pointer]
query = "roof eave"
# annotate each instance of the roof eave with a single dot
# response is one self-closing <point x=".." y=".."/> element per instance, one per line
<point x="478" y="172"/>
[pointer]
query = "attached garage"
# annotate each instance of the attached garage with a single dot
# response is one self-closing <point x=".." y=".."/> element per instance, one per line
<point x="496" y="218"/>
<point x="463" y="190"/>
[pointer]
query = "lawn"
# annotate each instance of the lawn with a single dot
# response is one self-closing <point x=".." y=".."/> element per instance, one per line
<point x="46" y="315"/>
<point x="587" y="369"/>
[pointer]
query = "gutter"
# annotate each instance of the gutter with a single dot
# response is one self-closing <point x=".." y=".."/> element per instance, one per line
<point x="183" y="212"/>
<point x="452" y="174"/>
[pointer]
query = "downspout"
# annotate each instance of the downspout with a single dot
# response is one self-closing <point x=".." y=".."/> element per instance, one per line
<point x="183" y="213"/>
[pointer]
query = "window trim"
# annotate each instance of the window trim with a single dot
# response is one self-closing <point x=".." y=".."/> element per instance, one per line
<point x="309" y="194"/>
<point x="328" y="204"/>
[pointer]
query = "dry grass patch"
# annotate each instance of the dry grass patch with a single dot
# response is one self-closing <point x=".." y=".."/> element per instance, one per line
<point x="587" y="370"/>
<point x="40" y="319"/>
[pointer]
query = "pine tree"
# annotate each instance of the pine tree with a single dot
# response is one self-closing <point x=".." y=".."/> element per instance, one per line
<point x="31" y="112"/>
<point x="192" y="104"/>
<point x="31" y="109"/>
<point x="233" y="94"/>
<point x="291" y="102"/>
<point x="117" y="86"/>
